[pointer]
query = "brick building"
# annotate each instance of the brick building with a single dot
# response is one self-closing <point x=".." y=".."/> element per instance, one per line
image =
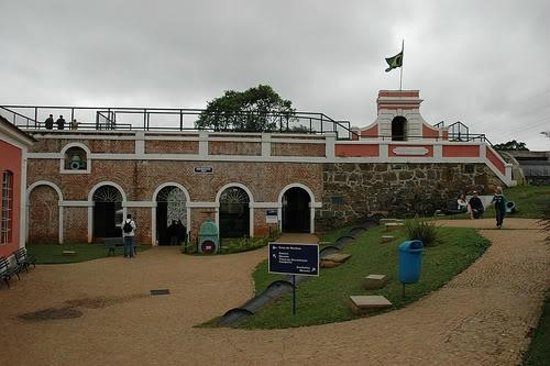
<point x="14" y="144"/>
<point x="81" y="183"/>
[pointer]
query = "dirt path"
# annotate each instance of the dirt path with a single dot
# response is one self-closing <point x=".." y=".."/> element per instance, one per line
<point x="480" y="318"/>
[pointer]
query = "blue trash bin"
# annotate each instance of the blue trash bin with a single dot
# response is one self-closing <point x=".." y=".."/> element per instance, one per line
<point x="410" y="261"/>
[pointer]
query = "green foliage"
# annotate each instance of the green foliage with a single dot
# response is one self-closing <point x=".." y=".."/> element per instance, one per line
<point x="245" y="244"/>
<point x="53" y="253"/>
<point x="511" y="146"/>
<point x="325" y="299"/>
<point x="538" y="353"/>
<point x="422" y="230"/>
<point x="254" y="110"/>
<point x="531" y="201"/>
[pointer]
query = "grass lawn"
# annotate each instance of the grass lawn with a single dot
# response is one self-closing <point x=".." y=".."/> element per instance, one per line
<point x="325" y="299"/>
<point x="53" y="253"/>
<point x="530" y="200"/>
<point x="539" y="349"/>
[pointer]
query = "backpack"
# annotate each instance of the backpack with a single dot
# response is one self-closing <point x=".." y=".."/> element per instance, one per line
<point x="127" y="228"/>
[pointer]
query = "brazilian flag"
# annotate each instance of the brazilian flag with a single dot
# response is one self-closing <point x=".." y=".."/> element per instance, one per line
<point x="395" y="61"/>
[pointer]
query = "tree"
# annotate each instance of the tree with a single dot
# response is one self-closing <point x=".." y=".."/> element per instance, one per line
<point x="511" y="146"/>
<point x="254" y="110"/>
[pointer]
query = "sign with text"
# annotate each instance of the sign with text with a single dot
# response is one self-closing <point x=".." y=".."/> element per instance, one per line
<point x="271" y="216"/>
<point x="294" y="259"/>
<point x="203" y="169"/>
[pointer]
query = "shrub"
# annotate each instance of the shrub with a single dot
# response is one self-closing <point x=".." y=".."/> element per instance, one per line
<point x="422" y="230"/>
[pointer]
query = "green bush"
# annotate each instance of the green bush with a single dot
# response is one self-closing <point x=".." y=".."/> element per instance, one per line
<point x="244" y="244"/>
<point x="422" y="230"/>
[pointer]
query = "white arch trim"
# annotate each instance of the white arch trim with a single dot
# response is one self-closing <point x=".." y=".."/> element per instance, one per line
<point x="60" y="210"/>
<point x="106" y="183"/>
<point x="91" y="206"/>
<point x="76" y="144"/>
<point x="250" y="205"/>
<point x="171" y="184"/>
<point x="312" y="204"/>
<point x="154" y="208"/>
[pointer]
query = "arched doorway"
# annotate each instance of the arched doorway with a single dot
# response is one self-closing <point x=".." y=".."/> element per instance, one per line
<point x="399" y="129"/>
<point x="234" y="213"/>
<point x="171" y="205"/>
<point x="43" y="215"/>
<point x="108" y="212"/>
<point x="296" y="211"/>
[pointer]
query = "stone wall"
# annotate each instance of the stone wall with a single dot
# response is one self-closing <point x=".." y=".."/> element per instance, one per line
<point x="351" y="192"/>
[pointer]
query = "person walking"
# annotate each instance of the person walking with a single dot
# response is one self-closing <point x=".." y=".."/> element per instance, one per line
<point x="499" y="200"/>
<point x="128" y="234"/>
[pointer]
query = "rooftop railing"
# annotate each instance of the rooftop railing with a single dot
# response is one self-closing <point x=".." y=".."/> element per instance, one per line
<point x="164" y="119"/>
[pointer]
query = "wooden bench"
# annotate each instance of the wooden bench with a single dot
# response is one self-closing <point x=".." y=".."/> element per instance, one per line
<point x="8" y="270"/>
<point x="113" y="244"/>
<point x="24" y="259"/>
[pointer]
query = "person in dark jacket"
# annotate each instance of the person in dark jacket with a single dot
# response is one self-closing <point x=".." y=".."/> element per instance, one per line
<point x="49" y="122"/>
<point x="500" y="206"/>
<point x="172" y="232"/>
<point x="60" y="123"/>
<point x="181" y="232"/>
<point x="476" y="206"/>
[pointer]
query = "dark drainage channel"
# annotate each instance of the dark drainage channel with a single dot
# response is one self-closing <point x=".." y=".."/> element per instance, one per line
<point x="280" y="287"/>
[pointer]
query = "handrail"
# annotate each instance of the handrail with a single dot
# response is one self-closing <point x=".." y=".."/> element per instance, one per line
<point x="171" y="119"/>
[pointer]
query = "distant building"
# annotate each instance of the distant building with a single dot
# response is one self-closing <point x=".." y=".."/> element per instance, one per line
<point x="535" y="166"/>
<point x="14" y="145"/>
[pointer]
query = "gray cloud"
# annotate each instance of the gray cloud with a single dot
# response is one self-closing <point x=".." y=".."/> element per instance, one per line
<point x="483" y="63"/>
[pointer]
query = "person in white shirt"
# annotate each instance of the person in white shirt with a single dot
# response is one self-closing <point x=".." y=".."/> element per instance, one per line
<point x="128" y="234"/>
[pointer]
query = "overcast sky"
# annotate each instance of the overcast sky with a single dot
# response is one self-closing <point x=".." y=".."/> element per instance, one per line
<point x="485" y="63"/>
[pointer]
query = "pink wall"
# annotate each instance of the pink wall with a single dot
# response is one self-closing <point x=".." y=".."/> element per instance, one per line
<point x="460" y="151"/>
<point x="357" y="150"/>
<point x="10" y="159"/>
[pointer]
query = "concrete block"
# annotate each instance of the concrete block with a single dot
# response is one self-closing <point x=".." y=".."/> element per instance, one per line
<point x="390" y="226"/>
<point x="375" y="281"/>
<point x="387" y="238"/>
<point x="337" y="257"/>
<point x="363" y="304"/>
<point x="69" y="252"/>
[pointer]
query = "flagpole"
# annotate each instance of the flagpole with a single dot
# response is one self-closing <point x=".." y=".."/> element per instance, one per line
<point x="402" y="59"/>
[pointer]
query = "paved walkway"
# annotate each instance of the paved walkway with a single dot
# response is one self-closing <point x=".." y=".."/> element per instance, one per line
<point x="481" y="317"/>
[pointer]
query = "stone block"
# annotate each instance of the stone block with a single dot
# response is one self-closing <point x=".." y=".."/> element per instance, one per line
<point x="390" y="226"/>
<point x="69" y="252"/>
<point x="387" y="238"/>
<point x="328" y="264"/>
<point x="363" y="304"/>
<point x="375" y="281"/>
<point x="337" y="257"/>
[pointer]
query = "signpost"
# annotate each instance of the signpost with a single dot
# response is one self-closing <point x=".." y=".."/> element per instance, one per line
<point x="294" y="259"/>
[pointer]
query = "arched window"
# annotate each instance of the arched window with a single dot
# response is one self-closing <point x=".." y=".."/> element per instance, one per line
<point x="107" y="212"/>
<point x="75" y="159"/>
<point x="7" y="207"/>
<point x="234" y="213"/>
<point x="399" y="129"/>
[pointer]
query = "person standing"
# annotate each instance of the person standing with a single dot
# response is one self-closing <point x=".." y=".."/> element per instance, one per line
<point x="49" y="122"/>
<point x="172" y="233"/>
<point x="60" y="123"/>
<point x="476" y="206"/>
<point x="499" y="200"/>
<point x="128" y="234"/>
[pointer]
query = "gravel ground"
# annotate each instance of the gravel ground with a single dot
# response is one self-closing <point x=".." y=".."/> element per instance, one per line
<point x="100" y="313"/>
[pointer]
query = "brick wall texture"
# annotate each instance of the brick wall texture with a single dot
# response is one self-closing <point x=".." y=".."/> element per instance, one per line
<point x="347" y="191"/>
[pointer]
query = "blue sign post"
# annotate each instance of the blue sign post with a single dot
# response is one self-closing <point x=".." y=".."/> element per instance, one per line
<point x="294" y="259"/>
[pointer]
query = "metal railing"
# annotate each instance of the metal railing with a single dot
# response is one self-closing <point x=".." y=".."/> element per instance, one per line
<point x="165" y="119"/>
